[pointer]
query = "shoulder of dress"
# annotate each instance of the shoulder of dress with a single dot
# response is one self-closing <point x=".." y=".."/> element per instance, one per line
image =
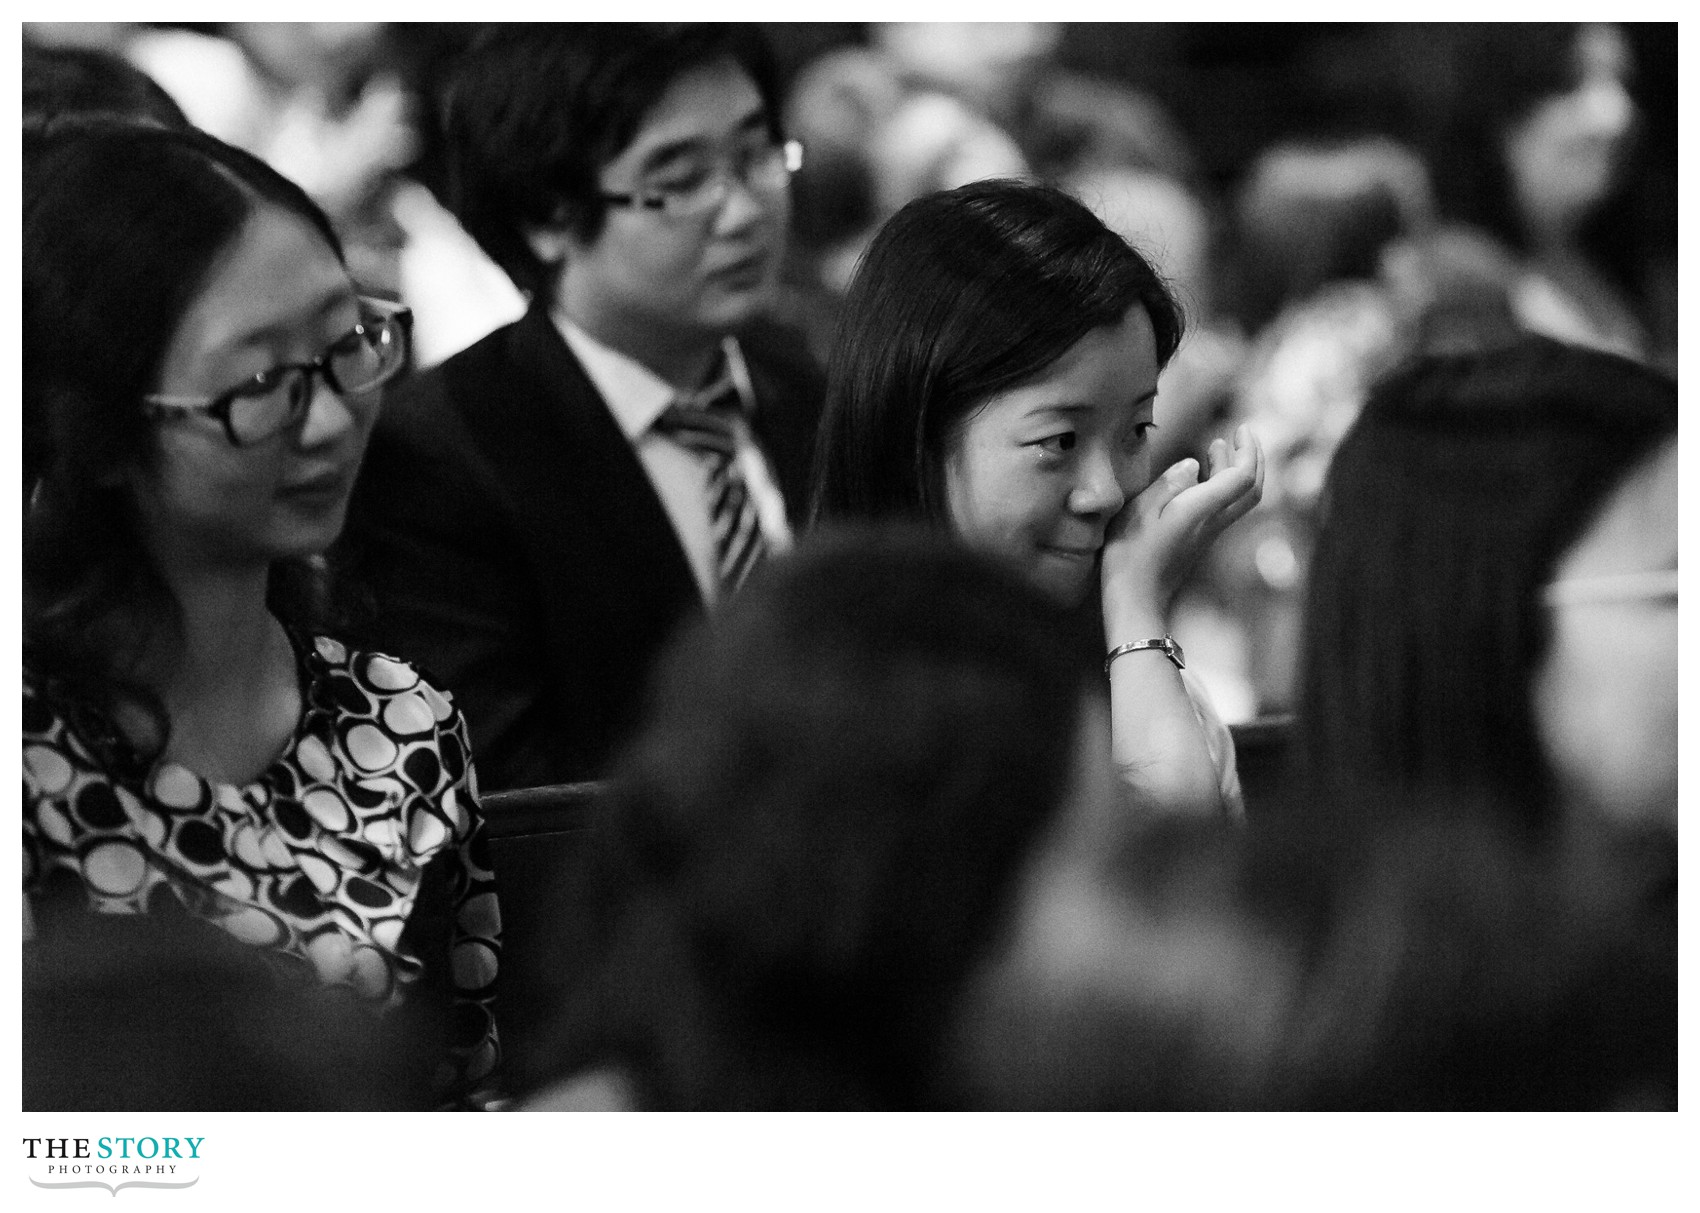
<point x="384" y="676"/>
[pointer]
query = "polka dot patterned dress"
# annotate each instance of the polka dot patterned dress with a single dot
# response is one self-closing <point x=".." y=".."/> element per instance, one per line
<point x="319" y="859"/>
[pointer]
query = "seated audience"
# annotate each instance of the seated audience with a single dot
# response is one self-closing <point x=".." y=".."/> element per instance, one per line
<point x="995" y="374"/>
<point x="203" y="374"/>
<point x="541" y="511"/>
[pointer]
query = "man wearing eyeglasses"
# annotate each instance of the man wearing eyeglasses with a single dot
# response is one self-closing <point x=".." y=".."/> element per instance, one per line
<point x="538" y="514"/>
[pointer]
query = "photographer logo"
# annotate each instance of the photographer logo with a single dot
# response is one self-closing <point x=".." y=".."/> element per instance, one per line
<point x="113" y="1163"/>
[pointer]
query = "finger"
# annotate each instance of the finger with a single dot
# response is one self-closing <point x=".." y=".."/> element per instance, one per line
<point x="1238" y="508"/>
<point x="1248" y="452"/>
<point x="1211" y="527"/>
<point x="1219" y="455"/>
<point x="1197" y="505"/>
<point x="1260" y="463"/>
<point x="1163" y="490"/>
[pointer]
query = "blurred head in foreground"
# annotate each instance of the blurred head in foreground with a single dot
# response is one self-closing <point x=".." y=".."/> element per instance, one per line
<point x="820" y="830"/>
<point x="1492" y="599"/>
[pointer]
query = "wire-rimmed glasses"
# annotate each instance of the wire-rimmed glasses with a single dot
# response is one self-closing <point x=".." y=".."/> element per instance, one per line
<point x="764" y="170"/>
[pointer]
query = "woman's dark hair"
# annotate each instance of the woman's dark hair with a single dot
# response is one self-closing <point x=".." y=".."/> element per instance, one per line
<point x="821" y="827"/>
<point x="532" y="112"/>
<point x="963" y="294"/>
<point x="122" y="222"/>
<point x="1313" y="213"/>
<point x="1446" y="508"/>
<point x="1501" y="72"/>
<point x="60" y="81"/>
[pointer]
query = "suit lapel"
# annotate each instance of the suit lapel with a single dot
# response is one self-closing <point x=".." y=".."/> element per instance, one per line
<point x="592" y="496"/>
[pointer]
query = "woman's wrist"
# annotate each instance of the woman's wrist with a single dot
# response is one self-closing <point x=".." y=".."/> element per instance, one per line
<point x="1128" y="622"/>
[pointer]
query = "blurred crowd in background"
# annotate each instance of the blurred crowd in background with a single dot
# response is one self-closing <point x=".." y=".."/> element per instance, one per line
<point x="1327" y="199"/>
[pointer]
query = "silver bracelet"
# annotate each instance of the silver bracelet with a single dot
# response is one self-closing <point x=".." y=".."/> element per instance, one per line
<point x="1166" y="644"/>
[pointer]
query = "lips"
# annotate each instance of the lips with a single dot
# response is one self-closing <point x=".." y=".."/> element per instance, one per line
<point x="326" y="486"/>
<point x="754" y="265"/>
<point x="1073" y="553"/>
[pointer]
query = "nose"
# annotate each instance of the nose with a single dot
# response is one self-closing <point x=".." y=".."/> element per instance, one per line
<point x="1099" y="490"/>
<point x="330" y="414"/>
<point x="745" y="207"/>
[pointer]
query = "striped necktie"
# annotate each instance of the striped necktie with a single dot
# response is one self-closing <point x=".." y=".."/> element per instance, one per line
<point x="706" y="425"/>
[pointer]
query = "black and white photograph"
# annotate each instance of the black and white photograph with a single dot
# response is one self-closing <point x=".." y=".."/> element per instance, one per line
<point x="903" y="567"/>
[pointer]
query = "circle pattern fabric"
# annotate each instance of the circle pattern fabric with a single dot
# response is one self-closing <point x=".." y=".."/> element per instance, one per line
<point x="318" y="860"/>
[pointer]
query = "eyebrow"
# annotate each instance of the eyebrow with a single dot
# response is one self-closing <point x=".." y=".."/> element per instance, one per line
<point x="677" y="149"/>
<point x="284" y="328"/>
<point x="1073" y="407"/>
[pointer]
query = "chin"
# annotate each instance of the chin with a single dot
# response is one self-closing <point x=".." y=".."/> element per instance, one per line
<point x="309" y="539"/>
<point x="734" y="308"/>
<point x="1067" y="590"/>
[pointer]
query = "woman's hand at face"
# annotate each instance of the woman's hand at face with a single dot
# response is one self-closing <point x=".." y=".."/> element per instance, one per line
<point x="1157" y="538"/>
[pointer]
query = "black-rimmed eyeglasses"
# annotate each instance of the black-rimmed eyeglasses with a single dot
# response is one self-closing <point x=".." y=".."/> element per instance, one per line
<point x="367" y="356"/>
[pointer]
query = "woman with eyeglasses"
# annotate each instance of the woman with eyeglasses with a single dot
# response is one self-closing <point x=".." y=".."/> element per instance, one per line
<point x="203" y="374"/>
<point x="1492" y="598"/>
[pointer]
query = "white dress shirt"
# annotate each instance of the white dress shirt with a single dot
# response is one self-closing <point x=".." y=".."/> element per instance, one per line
<point x="637" y="396"/>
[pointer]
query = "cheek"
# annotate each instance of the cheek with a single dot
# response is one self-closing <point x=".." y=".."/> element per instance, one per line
<point x="637" y="273"/>
<point x="993" y="500"/>
<point x="208" y="486"/>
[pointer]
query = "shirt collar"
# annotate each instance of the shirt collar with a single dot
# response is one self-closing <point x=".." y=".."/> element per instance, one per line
<point x="636" y="395"/>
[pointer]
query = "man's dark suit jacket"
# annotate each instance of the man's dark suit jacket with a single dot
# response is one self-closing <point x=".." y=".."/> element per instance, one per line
<point x="513" y="544"/>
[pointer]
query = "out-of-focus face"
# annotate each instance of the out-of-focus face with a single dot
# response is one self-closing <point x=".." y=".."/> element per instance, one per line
<point x="277" y="295"/>
<point x="989" y="63"/>
<point x="1564" y="156"/>
<point x="1605" y="693"/>
<point x="649" y="277"/>
<point x="1036" y="473"/>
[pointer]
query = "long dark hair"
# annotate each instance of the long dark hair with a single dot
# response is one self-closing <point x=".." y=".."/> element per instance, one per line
<point x="1502" y="73"/>
<point x="820" y="830"/>
<point x="963" y="294"/>
<point x="122" y="222"/>
<point x="1447" y="506"/>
